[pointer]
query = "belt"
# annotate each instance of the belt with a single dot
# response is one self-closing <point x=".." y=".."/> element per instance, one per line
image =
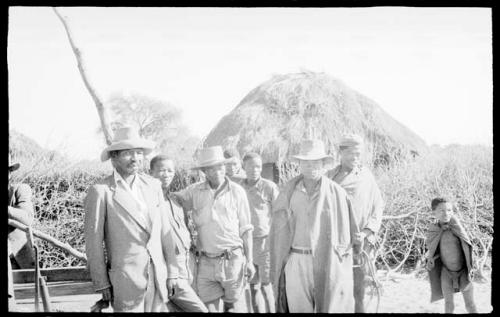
<point x="300" y="251"/>
<point x="226" y="253"/>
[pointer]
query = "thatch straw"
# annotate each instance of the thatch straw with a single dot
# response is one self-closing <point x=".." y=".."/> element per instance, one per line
<point x="274" y="117"/>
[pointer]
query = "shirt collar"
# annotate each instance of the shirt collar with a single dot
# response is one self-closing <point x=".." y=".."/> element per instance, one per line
<point x="301" y="186"/>
<point x="257" y="185"/>
<point x="119" y="178"/>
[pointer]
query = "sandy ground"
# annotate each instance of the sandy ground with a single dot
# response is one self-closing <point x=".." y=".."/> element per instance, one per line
<point x="410" y="294"/>
<point x="400" y="294"/>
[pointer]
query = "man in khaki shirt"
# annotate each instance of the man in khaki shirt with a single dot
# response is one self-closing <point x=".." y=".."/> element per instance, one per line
<point x="222" y="218"/>
<point x="261" y="195"/>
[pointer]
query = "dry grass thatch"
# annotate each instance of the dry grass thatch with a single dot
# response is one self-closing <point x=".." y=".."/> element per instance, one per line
<point x="274" y="117"/>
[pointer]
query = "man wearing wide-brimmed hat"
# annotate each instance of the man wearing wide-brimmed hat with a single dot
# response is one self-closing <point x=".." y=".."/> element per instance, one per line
<point x="367" y="203"/>
<point x="222" y="218"/>
<point x="127" y="212"/>
<point x="19" y="249"/>
<point x="311" y="238"/>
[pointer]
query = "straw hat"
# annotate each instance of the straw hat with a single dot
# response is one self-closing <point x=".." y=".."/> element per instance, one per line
<point x="312" y="149"/>
<point x="211" y="156"/>
<point x="13" y="166"/>
<point x="127" y="138"/>
<point x="351" y="140"/>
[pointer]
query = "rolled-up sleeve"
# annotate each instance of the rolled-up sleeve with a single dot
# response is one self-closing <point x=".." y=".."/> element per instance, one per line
<point x="377" y="208"/>
<point x="243" y="212"/>
<point x="184" y="198"/>
<point x="22" y="211"/>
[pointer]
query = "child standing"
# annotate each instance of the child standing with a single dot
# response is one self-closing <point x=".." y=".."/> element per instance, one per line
<point x="449" y="257"/>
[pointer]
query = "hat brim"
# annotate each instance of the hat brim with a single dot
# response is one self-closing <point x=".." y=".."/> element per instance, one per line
<point x="212" y="163"/>
<point x="327" y="159"/>
<point x="144" y="144"/>
<point x="14" y="167"/>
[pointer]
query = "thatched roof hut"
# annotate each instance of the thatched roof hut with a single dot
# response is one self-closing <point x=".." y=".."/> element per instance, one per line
<point x="274" y="117"/>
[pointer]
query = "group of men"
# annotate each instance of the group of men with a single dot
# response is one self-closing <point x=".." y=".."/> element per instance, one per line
<point x="150" y="249"/>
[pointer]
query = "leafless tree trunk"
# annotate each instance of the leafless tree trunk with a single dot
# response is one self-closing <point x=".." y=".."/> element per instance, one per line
<point x="101" y="109"/>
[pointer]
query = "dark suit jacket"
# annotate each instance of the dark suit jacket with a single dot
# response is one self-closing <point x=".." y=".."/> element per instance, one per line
<point x="20" y="206"/>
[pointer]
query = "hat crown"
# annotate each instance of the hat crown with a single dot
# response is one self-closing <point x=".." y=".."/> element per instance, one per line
<point x="351" y="139"/>
<point x="312" y="147"/>
<point x="210" y="154"/>
<point x="125" y="133"/>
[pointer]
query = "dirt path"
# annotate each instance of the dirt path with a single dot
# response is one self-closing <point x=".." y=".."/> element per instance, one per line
<point x="401" y="294"/>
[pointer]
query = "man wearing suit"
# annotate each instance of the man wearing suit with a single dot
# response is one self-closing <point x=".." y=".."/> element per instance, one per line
<point x="20" y="210"/>
<point x="126" y="211"/>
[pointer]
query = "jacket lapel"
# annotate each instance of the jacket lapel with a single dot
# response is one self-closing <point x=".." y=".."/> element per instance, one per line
<point x="124" y="199"/>
<point x="152" y="201"/>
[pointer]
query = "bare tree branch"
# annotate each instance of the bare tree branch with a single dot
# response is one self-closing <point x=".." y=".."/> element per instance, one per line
<point x="101" y="109"/>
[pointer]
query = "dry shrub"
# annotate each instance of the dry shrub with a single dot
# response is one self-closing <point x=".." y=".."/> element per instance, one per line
<point x="463" y="173"/>
<point x="460" y="173"/>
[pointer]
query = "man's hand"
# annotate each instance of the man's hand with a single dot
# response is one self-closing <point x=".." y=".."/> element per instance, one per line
<point x="430" y="264"/>
<point x="107" y="294"/>
<point x="250" y="270"/>
<point x="172" y="286"/>
<point x="359" y="238"/>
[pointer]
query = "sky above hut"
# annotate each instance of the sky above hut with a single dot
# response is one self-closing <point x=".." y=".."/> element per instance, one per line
<point x="429" y="68"/>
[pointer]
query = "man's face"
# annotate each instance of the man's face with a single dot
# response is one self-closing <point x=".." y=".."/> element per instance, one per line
<point x="215" y="174"/>
<point x="128" y="162"/>
<point x="233" y="167"/>
<point x="164" y="170"/>
<point x="350" y="157"/>
<point x="311" y="169"/>
<point x="443" y="212"/>
<point x="253" y="168"/>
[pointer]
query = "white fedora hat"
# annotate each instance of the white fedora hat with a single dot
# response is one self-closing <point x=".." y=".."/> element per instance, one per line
<point x="312" y="149"/>
<point x="127" y="138"/>
<point x="13" y="166"/>
<point x="211" y="156"/>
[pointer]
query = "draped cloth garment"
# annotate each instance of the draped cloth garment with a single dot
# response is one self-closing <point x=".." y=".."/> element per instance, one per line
<point x="333" y="228"/>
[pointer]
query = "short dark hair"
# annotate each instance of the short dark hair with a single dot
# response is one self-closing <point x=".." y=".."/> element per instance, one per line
<point x="158" y="158"/>
<point x="228" y="153"/>
<point x="250" y="156"/>
<point x="438" y="200"/>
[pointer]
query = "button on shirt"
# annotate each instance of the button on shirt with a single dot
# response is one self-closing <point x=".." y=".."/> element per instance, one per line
<point x="261" y="196"/>
<point x="221" y="218"/>
<point x="136" y="193"/>
<point x="302" y="206"/>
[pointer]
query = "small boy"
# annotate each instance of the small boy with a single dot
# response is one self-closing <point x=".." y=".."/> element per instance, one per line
<point x="449" y="257"/>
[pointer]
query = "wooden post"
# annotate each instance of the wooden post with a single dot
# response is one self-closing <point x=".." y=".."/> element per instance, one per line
<point x="45" y="295"/>
<point x="101" y="109"/>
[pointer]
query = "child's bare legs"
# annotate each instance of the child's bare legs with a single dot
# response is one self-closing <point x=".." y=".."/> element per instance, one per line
<point x="448" y="293"/>
<point x="468" y="294"/>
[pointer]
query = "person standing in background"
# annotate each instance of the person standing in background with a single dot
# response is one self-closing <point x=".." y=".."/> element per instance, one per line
<point x="185" y="299"/>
